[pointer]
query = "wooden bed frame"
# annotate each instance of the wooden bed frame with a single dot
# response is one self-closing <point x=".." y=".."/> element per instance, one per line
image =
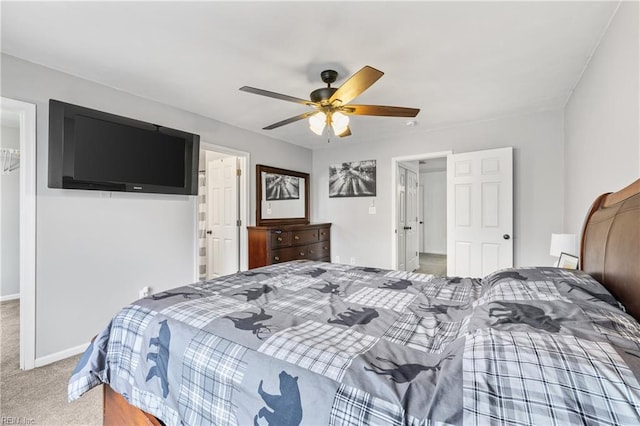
<point x="610" y="246"/>
<point x="609" y="251"/>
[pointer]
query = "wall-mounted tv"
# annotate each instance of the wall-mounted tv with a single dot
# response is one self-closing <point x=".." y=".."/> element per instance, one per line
<point x="90" y="149"/>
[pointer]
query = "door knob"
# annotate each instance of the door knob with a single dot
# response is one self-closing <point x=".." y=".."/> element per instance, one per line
<point x="209" y="232"/>
<point x="506" y="236"/>
<point x="407" y="227"/>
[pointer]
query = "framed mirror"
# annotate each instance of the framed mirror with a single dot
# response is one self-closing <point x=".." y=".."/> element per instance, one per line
<point x="282" y="196"/>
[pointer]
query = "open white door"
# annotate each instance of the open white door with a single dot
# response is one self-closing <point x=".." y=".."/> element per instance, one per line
<point x="411" y="236"/>
<point x="421" y="226"/>
<point x="222" y="217"/>
<point x="401" y="187"/>
<point x="407" y="218"/>
<point x="479" y="212"/>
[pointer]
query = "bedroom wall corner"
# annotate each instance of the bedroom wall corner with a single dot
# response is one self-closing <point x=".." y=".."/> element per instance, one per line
<point x="602" y="116"/>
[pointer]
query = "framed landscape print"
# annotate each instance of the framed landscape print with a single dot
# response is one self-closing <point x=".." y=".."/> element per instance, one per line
<point x="281" y="187"/>
<point x="354" y="179"/>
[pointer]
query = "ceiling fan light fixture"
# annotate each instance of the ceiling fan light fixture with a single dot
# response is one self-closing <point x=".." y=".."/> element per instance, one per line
<point x="339" y="123"/>
<point x="332" y="103"/>
<point x="317" y="123"/>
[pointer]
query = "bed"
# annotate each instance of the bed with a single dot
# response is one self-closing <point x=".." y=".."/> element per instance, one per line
<point x="328" y="344"/>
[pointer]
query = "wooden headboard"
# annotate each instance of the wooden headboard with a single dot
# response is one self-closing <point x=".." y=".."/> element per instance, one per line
<point x="610" y="247"/>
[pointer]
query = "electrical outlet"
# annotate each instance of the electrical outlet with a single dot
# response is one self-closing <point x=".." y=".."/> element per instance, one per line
<point x="352" y="260"/>
<point x="337" y="259"/>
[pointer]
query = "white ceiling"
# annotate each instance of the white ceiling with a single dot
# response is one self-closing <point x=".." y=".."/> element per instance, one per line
<point x="456" y="61"/>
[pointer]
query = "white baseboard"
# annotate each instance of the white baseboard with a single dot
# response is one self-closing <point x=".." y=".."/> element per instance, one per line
<point x="9" y="297"/>
<point x="48" y="359"/>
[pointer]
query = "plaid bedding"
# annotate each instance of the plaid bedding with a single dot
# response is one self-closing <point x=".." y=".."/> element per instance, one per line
<point x="313" y="343"/>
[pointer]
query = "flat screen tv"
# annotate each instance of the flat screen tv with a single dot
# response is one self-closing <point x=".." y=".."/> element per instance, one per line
<point x="90" y="149"/>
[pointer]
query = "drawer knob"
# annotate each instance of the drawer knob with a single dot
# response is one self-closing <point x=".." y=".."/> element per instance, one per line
<point x="295" y="237"/>
<point x="301" y="253"/>
<point x="311" y="251"/>
<point x="276" y="258"/>
<point x="279" y="238"/>
<point x="325" y="248"/>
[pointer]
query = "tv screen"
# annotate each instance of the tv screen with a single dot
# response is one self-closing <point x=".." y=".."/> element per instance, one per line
<point x="90" y="149"/>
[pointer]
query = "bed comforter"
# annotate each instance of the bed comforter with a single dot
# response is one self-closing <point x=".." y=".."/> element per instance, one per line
<point x="312" y="343"/>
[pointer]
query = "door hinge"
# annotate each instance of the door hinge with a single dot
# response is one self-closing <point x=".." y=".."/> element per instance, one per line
<point x="238" y="172"/>
<point x="238" y="222"/>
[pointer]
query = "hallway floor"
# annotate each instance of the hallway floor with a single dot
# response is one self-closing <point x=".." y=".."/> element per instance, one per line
<point x="431" y="263"/>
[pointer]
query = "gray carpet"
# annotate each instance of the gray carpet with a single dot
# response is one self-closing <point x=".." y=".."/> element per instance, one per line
<point x="435" y="264"/>
<point x="38" y="396"/>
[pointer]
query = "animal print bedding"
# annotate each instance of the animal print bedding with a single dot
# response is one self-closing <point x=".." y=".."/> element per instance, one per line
<point x="312" y="343"/>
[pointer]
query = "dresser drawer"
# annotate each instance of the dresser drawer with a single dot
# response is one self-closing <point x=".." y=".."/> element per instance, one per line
<point x="280" y="239"/>
<point x="323" y="234"/>
<point x="283" y="243"/>
<point x="304" y="237"/>
<point x="289" y="253"/>
<point x="318" y="251"/>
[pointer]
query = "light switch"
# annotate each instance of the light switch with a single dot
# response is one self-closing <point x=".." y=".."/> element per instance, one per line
<point x="372" y="209"/>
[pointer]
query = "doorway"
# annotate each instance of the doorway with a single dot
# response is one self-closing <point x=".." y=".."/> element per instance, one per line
<point x="222" y="211"/>
<point x="479" y="223"/>
<point x="399" y="240"/>
<point x="20" y="175"/>
<point x="433" y="216"/>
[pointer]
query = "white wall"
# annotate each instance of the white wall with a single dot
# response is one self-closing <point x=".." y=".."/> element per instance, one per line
<point x="602" y="145"/>
<point x="94" y="251"/>
<point x="10" y="226"/>
<point x="538" y="183"/>
<point x="435" y="211"/>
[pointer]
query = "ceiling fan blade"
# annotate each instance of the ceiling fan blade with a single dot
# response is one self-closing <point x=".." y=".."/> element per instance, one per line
<point x="356" y="84"/>
<point x="290" y="120"/>
<point x="277" y="95"/>
<point x="380" y="110"/>
<point x="346" y="133"/>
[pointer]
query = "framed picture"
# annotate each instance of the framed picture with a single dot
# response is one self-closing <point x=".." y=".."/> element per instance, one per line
<point x="567" y="261"/>
<point x="281" y="187"/>
<point x="354" y="179"/>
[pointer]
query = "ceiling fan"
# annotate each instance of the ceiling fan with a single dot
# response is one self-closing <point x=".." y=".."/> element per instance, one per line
<point x="331" y="104"/>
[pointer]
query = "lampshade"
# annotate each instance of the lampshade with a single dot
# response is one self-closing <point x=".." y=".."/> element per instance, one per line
<point x="317" y="122"/>
<point x="563" y="243"/>
<point x="339" y="123"/>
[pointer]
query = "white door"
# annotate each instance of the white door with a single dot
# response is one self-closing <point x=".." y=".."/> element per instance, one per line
<point x="421" y="226"/>
<point x="479" y="212"/>
<point x="401" y="214"/>
<point x="407" y="218"/>
<point x="411" y="221"/>
<point x="222" y="217"/>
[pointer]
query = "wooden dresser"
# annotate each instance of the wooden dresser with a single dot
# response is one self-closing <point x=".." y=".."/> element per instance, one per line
<point x="275" y="244"/>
